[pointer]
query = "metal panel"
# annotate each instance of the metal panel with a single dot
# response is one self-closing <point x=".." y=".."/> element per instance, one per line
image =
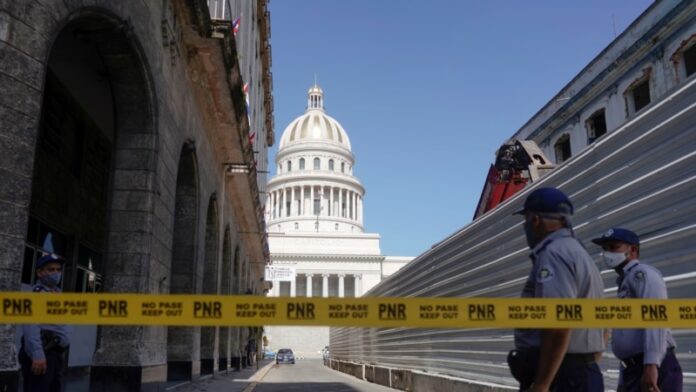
<point x="641" y="176"/>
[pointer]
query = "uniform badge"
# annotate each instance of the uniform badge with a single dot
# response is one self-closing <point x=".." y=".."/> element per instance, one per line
<point x="609" y="233"/>
<point x="640" y="275"/>
<point x="544" y="274"/>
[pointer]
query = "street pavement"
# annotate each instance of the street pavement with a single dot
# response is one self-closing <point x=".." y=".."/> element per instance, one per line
<point x="312" y="375"/>
<point x="233" y="381"/>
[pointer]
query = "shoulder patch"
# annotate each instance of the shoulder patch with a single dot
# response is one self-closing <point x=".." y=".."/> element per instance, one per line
<point x="639" y="276"/>
<point x="544" y="274"/>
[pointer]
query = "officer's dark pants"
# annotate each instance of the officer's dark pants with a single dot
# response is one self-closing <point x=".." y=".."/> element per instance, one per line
<point x="51" y="381"/>
<point x="572" y="376"/>
<point x="669" y="375"/>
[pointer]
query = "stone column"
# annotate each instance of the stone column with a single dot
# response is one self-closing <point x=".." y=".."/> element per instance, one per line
<point x="340" y="203"/>
<point x="358" y="285"/>
<point x="277" y="203"/>
<point x="302" y="201"/>
<point x="332" y="207"/>
<point x="293" y="286"/>
<point x="309" y="285"/>
<point x="311" y="200"/>
<point x="352" y="206"/>
<point x="320" y="196"/>
<point x="292" y="202"/>
<point x="325" y="285"/>
<point x="341" y="287"/>
<point x="286" y="193"/>
<point x="349" y="204"/>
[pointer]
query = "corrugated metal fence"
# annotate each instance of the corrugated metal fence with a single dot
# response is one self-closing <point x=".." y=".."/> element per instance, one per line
<point x="642" y="176"/>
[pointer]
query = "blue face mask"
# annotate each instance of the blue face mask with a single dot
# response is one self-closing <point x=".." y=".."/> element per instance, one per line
<point x="52" y="279"/>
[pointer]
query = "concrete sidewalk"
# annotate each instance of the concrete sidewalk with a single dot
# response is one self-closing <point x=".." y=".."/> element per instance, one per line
<point x="233" y="381"/>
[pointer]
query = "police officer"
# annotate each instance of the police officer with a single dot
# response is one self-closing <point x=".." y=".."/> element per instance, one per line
<point x="557" y="359"/>
<point x="43" y="346"/>
<point x="647" y="355"/>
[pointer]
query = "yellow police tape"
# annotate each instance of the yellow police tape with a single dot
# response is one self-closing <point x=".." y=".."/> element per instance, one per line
<point x="210" y="310"/>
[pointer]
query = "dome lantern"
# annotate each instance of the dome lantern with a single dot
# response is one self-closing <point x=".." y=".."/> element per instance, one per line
<point x="315" y="100"/>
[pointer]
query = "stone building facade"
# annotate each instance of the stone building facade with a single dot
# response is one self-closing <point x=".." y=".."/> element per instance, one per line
<point x="133" y="142"/>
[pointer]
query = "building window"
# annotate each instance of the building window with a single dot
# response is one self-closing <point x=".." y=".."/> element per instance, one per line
<point x="638" y="94"/>
<point x="289" y="166"/>
<point x="301" y="163"/>
<point x="641" y="95"/>
<point x="690" y="60"/>
<point x="331" y="164"/>
<point x="41" y="240"/>
<point x="317" y="163"/>
<point x="596" y="126"/>
<point x="336" y="226"/>
<point x="343" y="167"/>
<point x="297" y="226"/>
<point x="88" y="279"/>
<point x="562" y="148"/>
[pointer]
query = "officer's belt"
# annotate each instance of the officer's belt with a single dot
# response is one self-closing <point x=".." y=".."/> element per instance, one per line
<point x="637" y="360"/>
<point x="578" y="360"/>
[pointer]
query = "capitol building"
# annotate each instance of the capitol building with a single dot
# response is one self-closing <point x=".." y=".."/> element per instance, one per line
<point x="316" y="234"/>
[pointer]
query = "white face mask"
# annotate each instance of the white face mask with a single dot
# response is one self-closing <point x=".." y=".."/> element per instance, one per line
<point x="614" y="259"/>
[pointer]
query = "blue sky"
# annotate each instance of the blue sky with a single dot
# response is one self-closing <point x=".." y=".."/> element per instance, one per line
<point x="428" y="90"/>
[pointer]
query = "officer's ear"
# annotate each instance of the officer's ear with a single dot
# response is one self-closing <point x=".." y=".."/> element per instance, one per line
<point x="636" y="249"/>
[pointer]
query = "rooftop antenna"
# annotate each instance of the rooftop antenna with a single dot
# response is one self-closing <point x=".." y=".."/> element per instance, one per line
<point x="315" y="79"/>
<point x="613" y="23"/>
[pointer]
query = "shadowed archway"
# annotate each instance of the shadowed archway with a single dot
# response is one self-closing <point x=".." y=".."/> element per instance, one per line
<point x="225" y="289"/>
<point x="182" y="361"/>
<point x="210" y="284"/>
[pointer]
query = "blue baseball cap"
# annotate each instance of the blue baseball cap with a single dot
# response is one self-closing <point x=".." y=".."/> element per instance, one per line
<point x="547" y="200"/>
<point x="49" y="258"/>
<point x="618" y="234"/>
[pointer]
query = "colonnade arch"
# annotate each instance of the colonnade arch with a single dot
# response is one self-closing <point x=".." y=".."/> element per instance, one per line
<point x="210" y="284"/>
<point x="181" y="351"/>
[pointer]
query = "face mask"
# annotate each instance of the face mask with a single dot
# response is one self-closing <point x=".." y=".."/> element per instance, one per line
<point x="52" y="279"/>
<point x="532" y="238"/>
<point x="613" y="259"/>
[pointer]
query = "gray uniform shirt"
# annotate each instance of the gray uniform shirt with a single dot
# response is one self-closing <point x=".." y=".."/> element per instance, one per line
<point x="562" y="268"/>
<point x="32" y="332"/>
<point x="641" y="281"/>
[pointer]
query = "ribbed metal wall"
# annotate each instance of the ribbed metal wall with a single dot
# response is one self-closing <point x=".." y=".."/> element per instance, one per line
<point x="641" y="176"/>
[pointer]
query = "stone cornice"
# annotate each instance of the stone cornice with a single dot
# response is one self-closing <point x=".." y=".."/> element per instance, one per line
<point x="281" y="257"/>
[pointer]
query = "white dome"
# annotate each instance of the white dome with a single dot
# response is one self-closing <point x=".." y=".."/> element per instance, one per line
<point x="315" y="125"/>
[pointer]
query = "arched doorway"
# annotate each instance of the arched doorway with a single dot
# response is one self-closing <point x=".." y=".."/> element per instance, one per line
<point x="225" y="289"/>
<point x="96" y="106"/>
<point x="210" y="285"/>
<point x="236" y="335"/>
<point x="182" y="359"/>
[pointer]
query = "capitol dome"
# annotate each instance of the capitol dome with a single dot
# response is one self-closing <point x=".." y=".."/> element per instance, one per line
<point x="314" y="189"/>
<point x="315" y="125"/>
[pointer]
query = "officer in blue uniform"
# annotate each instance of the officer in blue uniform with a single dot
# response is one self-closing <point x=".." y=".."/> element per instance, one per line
<point x="44" y="346"/>
<point x="557" y="359"/>
<point x="647" y="355"/>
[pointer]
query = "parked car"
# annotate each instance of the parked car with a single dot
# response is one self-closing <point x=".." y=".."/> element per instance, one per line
<point x="269" y="354"/>
<point x="285" y="355"/>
